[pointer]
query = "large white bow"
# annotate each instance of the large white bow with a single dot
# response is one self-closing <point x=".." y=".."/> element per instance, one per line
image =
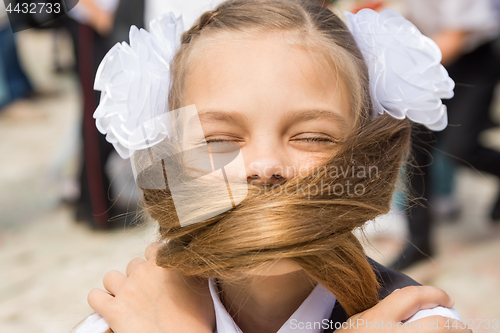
<point x="406" y="75"/>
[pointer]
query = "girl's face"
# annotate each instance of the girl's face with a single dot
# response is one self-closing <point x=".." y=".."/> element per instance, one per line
<point x="285" y="111"/>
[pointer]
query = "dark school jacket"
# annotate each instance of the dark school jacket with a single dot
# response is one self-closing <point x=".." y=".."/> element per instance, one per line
<point x="389" y="279"/>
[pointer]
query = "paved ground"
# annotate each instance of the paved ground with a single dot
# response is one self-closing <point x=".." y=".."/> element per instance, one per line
<point x="49" y="263"/>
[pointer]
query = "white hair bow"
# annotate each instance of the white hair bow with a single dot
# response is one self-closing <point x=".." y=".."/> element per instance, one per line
<point x="406" y="75"/>
<point x="134" y="81"/>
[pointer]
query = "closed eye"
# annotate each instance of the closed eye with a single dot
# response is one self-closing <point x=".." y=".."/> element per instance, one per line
<point x="208" y="140"/>
<point x="219" y="140"/>
<point x="224" y="144"/>
<point x="309" y="139"/>
<point x="316" y="139"/>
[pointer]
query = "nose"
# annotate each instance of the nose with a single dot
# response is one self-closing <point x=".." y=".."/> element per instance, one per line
<point x="267" y="160"/>
<point x="275" y="179"/>
<point x="267" y="172"/>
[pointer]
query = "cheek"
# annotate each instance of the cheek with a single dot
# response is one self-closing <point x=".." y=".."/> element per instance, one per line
<point x="307" y="163"/>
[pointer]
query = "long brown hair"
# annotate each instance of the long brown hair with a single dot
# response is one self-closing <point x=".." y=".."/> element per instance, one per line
<point x="308" y="220"/>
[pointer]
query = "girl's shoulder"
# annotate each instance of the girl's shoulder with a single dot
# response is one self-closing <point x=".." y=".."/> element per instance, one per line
<point x="390" y="279"/>
<point x="94" y="323"/>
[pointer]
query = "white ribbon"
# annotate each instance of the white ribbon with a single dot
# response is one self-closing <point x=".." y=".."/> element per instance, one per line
<point x="406" y="75"/>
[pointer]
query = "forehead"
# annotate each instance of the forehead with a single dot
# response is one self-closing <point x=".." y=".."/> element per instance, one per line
<point x="264" y="70"/>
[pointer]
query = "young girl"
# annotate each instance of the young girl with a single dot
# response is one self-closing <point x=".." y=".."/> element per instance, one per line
<point x="319" y="114"/>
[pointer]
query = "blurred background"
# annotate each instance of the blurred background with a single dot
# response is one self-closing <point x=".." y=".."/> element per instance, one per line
<point x="68" y="206"/>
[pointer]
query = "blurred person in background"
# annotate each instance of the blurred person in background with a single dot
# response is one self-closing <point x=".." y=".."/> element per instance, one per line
<point x="376" y="5"/>
<point x="14" y="83"/>
<point x="4" y="85"/>
<point x="90" y="34"/>
<point x="466" y="32"/>
<point x="101" y="23"/>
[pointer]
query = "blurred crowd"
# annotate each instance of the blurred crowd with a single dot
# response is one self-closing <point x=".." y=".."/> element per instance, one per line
<point x="468" y="34"/>
<point x="466" y="31"/>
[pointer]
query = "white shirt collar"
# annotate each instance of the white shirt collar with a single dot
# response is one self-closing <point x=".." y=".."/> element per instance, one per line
<point x="307" y="318"/>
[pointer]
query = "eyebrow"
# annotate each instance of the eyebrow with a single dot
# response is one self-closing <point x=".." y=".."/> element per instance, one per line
<point x="209" y="115"/>
<point x="312" y="114"/>
<point x="295" y="116"/>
